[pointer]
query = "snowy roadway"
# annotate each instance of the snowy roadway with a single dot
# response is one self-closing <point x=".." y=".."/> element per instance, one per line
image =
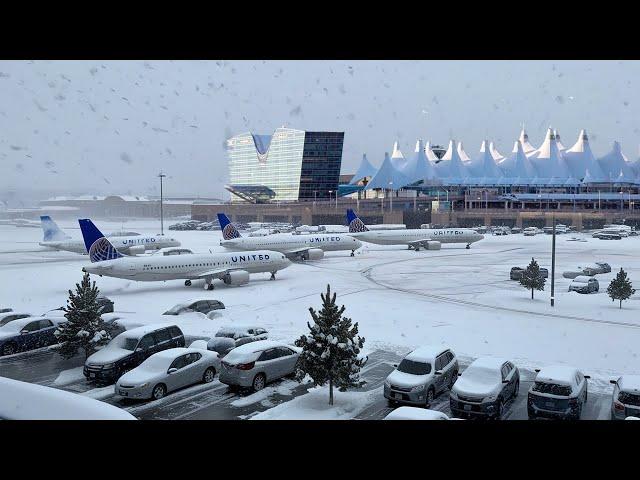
<point x="401" y="299"/>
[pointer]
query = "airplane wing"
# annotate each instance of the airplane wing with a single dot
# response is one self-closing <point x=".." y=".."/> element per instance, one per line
<point x="217" y="273"/>
<point x="420" y="243"/>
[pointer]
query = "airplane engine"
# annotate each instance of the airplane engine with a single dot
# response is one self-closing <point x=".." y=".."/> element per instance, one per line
<point x="313" y="254"/>
<point x="137" y="250"/>
<point x="239" y="277"/>
<point x="433" y="245"/>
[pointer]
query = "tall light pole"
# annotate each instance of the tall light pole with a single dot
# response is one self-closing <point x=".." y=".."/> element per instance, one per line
<point x="553" y="258"/>
<point x="161" y="176"/>
<point x="314" y="200"/>
<point x="391" y="197"/>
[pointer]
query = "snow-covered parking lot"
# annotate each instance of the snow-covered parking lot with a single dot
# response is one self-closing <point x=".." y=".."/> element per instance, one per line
<point x="400" y="298"/>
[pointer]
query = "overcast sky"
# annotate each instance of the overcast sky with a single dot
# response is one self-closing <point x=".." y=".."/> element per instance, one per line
<point x="108" y="127"/>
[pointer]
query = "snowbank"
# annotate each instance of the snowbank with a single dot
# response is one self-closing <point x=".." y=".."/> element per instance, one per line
<point x="26" y="401"/>
<point x="315" y="405"/>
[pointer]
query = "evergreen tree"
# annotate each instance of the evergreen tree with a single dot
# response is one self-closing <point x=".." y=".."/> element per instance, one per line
<point x="620" y="287"/>
<point x="84" y="329"/>
<point x="330" y="352"/>
<point x="531" y="278"/>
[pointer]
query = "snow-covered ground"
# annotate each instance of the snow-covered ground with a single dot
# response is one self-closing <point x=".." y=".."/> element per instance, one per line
<point x="400" y="298"/>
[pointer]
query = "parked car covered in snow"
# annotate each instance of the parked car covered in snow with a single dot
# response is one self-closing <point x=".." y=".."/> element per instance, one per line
<point x="204" y="306"/>
<point x="421" y="375"/>
<point x="484" y="388"/>
<point x="531" y="231"/>
<point x="11" y="316"/>
<point x="243" y="334"/>
<point x="27" y="333"/>
<point x="599" y="267"/>
<point x="557" y="392"/>
<point x="130" y="349"/>
<point x="105" y="306"/>
<point x="580" y="271"/>
<point x="517" y="272"/>
<point x="583" y="284"/>
<point x="626" y="397"/>
<point x="415" y="413"/>
<point x="255" y="364"/>
<point x="6" y="310"/>
<point x="166" y="371"/>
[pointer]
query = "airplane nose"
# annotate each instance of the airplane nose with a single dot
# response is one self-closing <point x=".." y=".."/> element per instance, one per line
<point x="84" y="270"/>
<point x="358" y="243"/>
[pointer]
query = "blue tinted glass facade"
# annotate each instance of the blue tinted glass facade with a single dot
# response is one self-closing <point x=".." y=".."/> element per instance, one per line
<point x="321" y="161"/>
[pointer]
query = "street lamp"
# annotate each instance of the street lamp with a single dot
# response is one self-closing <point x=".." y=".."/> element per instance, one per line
<point x="553" y="259"/>
<point x="314" y="199"/>
<point x="161" y="176"/>
<point x="391" y="198"/>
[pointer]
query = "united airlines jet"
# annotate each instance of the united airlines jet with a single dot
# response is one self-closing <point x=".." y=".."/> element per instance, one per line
<point x="414" y="238"/>
<point x="295" y="247"/>
<point x="231" y="268"/>
<point x="56" y="239"/>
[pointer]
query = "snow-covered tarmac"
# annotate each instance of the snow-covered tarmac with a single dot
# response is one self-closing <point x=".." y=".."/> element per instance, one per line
<point x="400" y="298"/>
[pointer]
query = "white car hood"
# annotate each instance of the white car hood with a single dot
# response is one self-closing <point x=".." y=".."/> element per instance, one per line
<point x="4" y="335"/>
<point x="139" y="376"/>
<point x="402" y="379"/>
<point x="474" y="387"/>
<point x="108" y="355"/>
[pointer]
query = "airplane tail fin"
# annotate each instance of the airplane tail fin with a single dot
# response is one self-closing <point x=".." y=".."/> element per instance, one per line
<point x="229" y="230"/>
<point x="355" y="224"/>
<point x="98" y="247"/>
<point x="51" y="230"/>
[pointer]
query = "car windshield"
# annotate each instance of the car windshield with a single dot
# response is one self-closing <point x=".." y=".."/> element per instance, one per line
<point x="552" y="388"/>
<point x="12" y="327"/>
<point x="629" y="398"/>
<point x="235" y="334"/>
<point x="127" y="343"/>
<point x="4" y="321"/>
<point x="175" y="310"/>
<point x="414" y="368"/>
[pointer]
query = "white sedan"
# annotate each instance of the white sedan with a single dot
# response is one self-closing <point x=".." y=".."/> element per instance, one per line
<point x="167" y="371"/>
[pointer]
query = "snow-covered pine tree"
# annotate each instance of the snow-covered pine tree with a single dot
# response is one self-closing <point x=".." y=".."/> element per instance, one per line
<point x="620" y="287"/>
<point x="330" y="352"/>
<point x="531" y="278"/>
<point x="84" y="329"/>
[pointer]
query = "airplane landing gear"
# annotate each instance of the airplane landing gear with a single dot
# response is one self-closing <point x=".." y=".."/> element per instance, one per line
<point x="208" y="285"/>
<point x="353" y="253"/>
<point x="273" y="276"/>
<point x="417" y="248"/>
<point x="187" y="283"/>
<point x="468" y="246"/>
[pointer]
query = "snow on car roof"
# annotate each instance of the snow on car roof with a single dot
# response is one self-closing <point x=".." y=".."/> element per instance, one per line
<point x="426" y="353"/>
<point x="582" y="279"/>
<point x="560" y="374"/>
<point x="143" y="330"/>
<point x="414" y="413"/>
<point x="238" y="328"/>
<point x="250" y="350"/>
<point x="24" y="401"/>
<point x="489" y="362"/>
<point x="4" y="315"/>
<point x="629" y="383"/>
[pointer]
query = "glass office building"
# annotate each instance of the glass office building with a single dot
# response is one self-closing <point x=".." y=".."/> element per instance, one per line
<point x="292" y="163"/>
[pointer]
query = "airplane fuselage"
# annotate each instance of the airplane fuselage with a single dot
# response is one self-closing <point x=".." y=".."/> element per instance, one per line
<point x="122" y="244"/>
<point x="188" y="266"/>
<point x="405" y="237"/>
<point x="286" y="243"/>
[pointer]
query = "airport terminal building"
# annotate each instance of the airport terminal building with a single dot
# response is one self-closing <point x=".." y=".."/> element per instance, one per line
<point x="288" y="166"/>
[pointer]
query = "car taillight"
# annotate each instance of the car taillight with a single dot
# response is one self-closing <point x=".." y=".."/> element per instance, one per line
<point x="245" y="366"/>
<point x="618" y="406"/>
<point x="573" y="401"/>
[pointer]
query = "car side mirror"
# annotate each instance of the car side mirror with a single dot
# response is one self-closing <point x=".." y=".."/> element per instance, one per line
<point x="437" y="372"/>
<point x="24" y="332"/>
<point x="459" y="374"/>
<point x="587" y="377"/>
<point x="615" y="382"/>
<point x="395" y="365"/>
<point x="537" y="370"/>
<point x="138" y="350"/>
<point x="172" y="370"/>
<point x="505" y="381"/>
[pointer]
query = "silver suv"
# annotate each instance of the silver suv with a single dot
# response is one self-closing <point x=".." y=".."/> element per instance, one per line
<point x="422" y="375"/>
<point x="626" y="397"/>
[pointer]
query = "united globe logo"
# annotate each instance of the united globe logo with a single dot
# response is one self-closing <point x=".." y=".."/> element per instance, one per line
<point x="357" y="226"/>
<point x="102" y="250"/>
<point x="229" y="231"/>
